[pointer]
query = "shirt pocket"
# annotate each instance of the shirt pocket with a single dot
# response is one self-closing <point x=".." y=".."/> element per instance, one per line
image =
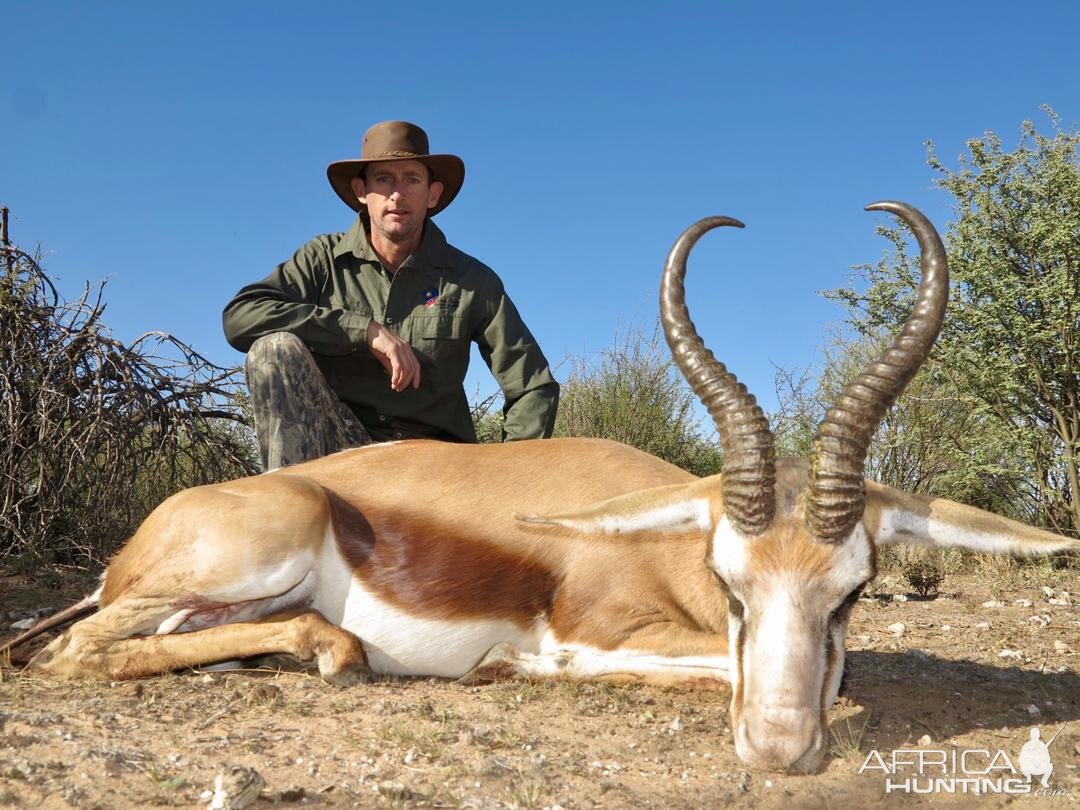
<point x="441" y="340"/>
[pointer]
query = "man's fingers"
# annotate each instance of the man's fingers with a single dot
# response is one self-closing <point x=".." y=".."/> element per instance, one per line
<point x="397" y="378"/>
<point x="382" y="358"/>
<point x="396" y="356"/>
<point x="406" y="368"/>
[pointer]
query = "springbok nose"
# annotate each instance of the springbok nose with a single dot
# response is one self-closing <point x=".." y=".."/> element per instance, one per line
<point x="781" y="740"/>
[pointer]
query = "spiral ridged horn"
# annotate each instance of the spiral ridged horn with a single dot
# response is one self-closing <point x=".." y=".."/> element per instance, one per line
<point x="836" y="498"/>
<point x="749" y="463"/>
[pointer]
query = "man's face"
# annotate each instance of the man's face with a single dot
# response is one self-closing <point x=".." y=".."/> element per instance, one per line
<point x="397" y="195"/>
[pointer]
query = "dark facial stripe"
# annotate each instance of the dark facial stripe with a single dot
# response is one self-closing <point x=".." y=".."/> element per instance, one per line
<point x="740" y="644"/>
<point x="830" y="665"/>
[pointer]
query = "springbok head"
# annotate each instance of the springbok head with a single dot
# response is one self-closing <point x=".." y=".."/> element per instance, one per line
<point x="792" y="542"/>
<point x="790" y="548"/>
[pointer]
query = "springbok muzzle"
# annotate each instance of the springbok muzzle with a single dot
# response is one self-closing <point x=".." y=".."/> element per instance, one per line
<point x="780" y="739"/>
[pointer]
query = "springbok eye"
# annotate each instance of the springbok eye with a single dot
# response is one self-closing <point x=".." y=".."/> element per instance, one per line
<point x="735" y="605"/>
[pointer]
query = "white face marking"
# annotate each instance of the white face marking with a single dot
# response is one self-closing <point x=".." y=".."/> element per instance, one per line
<point x="773" y="636"/>
<point x="729" y="556"/>
<point x="852" y="563"/>
<point x="786" y="621"/>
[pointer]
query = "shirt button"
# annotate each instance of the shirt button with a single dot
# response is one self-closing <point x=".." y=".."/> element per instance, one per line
<point x="382" y="417"/>
<point x="389" y="321"/>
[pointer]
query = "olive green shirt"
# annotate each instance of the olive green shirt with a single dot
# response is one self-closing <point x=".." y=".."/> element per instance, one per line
<point x="439" y="300"/>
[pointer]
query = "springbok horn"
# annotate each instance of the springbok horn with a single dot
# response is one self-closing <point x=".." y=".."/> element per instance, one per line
<point x="749" y="464"/>
<point x="836" y="499"/>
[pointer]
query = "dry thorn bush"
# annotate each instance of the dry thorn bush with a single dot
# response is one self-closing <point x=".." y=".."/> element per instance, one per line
<point x="95" y="433"/>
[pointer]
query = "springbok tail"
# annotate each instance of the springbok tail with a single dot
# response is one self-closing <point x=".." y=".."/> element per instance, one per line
<point x="65" y="616"/>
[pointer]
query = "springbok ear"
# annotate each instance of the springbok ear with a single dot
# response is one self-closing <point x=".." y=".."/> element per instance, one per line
<point x="680" y="507"/>
<point x="892" y="516"/>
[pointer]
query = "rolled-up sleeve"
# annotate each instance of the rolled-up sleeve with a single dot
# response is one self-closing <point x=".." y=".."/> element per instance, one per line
<point x="530" y="391"/>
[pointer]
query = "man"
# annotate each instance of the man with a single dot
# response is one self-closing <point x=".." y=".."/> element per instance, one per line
<point x="364" y="336"/>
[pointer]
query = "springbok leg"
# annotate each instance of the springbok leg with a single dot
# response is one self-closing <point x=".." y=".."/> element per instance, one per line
<point x="584" y="663"/>
<point x="93" y="648"/>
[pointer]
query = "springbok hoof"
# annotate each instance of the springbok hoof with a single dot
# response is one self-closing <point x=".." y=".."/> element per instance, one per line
<point x="349" y="676"/>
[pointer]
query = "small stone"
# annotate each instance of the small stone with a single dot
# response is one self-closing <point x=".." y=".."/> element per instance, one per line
<point x="899" y="597"/>
<point x="676" y="725"/>
<point x="925" y="740"/>
<point x="1013" y="654"/>
<point x="982" y="626"/>
<point x="1024" y="603"/>
<point x="993" y="603"/>
<point x="897" y="629"/>
<point x="236" y="788"/>
<point x="1060" y="646"/>
<point x="1033" y="710"/>
<point x="25" y="624"/>
<point x="1060" y="602"/>
<point x="946" y="628"/>
<point x="395" y="791"/>
<point x="1041" y="619"/>
<point x="1048" y="592"/>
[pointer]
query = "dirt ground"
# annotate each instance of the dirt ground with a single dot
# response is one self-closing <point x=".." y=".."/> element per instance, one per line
<point x="941" y="682"/>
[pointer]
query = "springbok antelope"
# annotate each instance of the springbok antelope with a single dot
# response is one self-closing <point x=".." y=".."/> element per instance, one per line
<point x="576" y="558"/>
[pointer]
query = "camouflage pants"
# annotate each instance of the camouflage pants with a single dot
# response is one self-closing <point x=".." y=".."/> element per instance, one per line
<point x="297" y="416"/>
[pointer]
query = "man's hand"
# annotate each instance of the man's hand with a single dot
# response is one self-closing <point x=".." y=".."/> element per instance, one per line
<point x="396" y="355"/>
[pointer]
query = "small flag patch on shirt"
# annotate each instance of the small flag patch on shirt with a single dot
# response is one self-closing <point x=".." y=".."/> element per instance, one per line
<point x="431" y="295"/>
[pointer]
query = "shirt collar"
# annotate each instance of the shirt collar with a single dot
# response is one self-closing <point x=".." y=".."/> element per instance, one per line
<point x="431" y="253"/>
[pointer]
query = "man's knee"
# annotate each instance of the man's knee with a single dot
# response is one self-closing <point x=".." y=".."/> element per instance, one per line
<point x="271" y="354"/>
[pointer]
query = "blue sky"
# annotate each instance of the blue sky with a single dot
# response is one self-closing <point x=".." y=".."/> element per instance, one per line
<point x="180" y="149"/>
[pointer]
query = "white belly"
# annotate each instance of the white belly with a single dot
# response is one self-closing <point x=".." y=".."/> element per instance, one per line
<point x="397" y="643"/>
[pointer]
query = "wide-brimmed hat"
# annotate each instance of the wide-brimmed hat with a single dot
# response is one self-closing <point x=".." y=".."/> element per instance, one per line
<point x="397" y="140"/>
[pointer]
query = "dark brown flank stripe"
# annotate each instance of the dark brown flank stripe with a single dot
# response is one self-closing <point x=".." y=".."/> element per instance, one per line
<point x="432" y="573"/>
